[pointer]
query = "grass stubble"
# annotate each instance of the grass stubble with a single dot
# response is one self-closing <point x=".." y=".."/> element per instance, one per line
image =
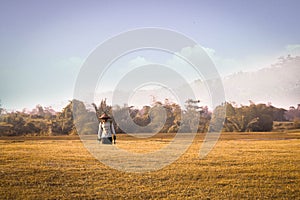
<point x="241" y="166"/>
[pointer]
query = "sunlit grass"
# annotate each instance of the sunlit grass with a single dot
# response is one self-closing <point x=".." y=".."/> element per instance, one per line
<point x="241" y="166"/>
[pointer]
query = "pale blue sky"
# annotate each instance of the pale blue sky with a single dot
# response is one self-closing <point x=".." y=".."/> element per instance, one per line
<point x="44" y="43"/>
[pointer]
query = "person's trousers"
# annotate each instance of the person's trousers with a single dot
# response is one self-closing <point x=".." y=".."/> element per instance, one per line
<point x="107" y="140"/>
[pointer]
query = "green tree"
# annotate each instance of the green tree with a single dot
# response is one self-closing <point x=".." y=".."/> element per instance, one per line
<point x="217" y="119"/>
<point x="18" y="124"/>
<point x="249" y="118"/>
<point x="66" y="119"/>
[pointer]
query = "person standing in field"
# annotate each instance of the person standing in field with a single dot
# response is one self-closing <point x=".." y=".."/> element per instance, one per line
<point x="106" y="130"/>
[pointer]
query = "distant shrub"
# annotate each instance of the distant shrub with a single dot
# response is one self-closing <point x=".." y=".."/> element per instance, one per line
<point x="297" y="123"/>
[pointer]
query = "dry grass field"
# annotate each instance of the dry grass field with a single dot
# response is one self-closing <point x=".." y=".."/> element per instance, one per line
<point x="241" y="166"/>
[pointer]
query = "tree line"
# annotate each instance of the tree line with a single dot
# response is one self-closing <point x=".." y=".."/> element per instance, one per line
<point x="77" y="118"/>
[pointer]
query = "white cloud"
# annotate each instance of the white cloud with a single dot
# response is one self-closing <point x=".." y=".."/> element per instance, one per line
<point x="175" y="62"/>
<point x="138" y="61"/>
<point x="211" y="52"/>
<point x="225" y="66"/>
<point x="124" y="65"/>
<point x="198" y="64"/>
<point x="293" y="49"/>
<point x="251" y="85"/>
<point x="250" y="63"/>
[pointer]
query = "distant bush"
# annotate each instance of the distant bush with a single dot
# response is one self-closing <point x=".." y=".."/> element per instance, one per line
<point x="297" y="123"/>
<point x="255" y="117"/>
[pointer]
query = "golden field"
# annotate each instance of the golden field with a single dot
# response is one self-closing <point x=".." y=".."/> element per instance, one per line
<point x="241" y="166"/>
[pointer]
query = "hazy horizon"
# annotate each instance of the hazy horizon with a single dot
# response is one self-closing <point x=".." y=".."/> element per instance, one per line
<point x="145" y="95"/>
